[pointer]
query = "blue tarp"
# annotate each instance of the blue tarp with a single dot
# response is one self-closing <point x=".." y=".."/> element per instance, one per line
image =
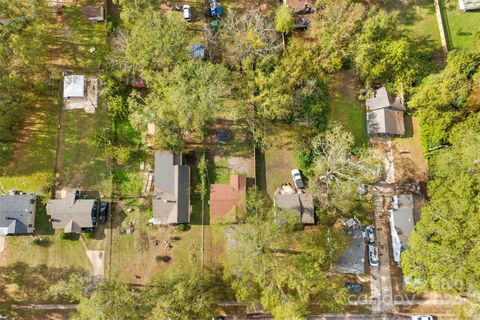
<point x="197" y="51"/>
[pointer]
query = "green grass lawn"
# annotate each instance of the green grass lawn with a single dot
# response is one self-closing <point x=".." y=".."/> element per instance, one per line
<point x="463" y="28"/>
<point x="80" y="164"/>
<point x="417" y="17"/>
<point x="346" y="109"/>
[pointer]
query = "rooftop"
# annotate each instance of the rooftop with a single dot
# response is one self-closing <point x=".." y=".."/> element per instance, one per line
<point x="17" y="213"/>
<point x="171" y="201"/>
<point x="385" y="121"/>
<point x="225" y="198"/>
<point x="73" y="86"/>
<point x="401" y="223"/>
<point x="301" y="203"/>
<point x="353" y="259"/>
<point x="71" y="213"/>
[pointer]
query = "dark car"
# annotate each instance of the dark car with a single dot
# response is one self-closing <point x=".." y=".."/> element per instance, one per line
<point x="353" y="287"/>
<point x="103" y="211"/>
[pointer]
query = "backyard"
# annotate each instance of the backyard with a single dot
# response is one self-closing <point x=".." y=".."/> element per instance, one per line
<point x="462" y="28"/>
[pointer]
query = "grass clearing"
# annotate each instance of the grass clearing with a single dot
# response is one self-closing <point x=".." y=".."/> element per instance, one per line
<point x="345" y="107"/>
<point x="462" y="28"/>
<point x="280" y="159"/>
<point x="417" y="17"/>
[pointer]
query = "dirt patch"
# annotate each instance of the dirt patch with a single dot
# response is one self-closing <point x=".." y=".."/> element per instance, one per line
<point x="410" y="163"/>
<point x="96" y="258"/>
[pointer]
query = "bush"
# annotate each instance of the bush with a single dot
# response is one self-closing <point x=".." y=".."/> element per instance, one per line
<point x="149" y="214"/>
<point x="181" y="227"/>
<point x="41" y="242"/>
<point x="162" y="258"/>
<point x="88" y="235"/>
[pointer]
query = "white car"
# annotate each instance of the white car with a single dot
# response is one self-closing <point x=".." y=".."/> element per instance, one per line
<point x="372" y="255"/>
<point x="297" y="179"/>
<point x="187" y="14"/>
<point x="370" y="231"/>
<point x="422" y="317"/>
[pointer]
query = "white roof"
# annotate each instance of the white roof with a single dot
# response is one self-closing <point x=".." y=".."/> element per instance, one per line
<point x="74" y="86"/>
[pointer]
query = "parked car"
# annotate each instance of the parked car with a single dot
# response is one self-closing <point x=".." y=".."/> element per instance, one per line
<point x="297" y="179"/>
<point x="187" y="14"/>
<point x="372" y="255"/>
<point x="103" y="211"/>
<point x="370" y="233"/>
<point x="422" y="318"/>
<point x="353" y="287"/>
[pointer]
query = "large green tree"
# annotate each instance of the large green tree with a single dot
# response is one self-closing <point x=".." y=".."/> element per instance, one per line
<point x="334" y="28"/>
<point x="282" y="268"/>
<point x="380" y="52"/>
<point x="445" y="98"/>
<point x="156" y="42"/>
<point x="339" y="170"/>
<point x="182" y="296"/>
<point x="444" y="250"/>
<point x="182" y="104"/>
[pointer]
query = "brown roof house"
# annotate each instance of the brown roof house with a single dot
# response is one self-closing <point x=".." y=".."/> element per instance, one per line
<point x="72" y="213"/>
<point x="286" y="199"/>
<point x="171" y="199"/>
<point x="385" y="114"/>
<point x="225" y="199"/>
<point x="17" y="213"/>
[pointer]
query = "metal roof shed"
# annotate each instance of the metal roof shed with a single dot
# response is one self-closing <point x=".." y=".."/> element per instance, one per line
<point x="73" y="86"/>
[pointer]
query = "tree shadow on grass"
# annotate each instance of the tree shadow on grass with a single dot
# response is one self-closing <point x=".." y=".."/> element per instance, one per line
<point x="22" y="283"/>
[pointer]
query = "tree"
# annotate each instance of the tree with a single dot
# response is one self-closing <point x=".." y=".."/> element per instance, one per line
<point x="182" y="296"/>
<point x="339" y="170"/>
<point x="285" y="269"/>
<point x="334" y="29"/>
<point x="442" y="252"/>
<point x="247" y="37"/>
<point x="156" y="42"/>
<point x="381" y="53"/>
<point x="183" y="105"/>
<point x="284" y="19"/>
<point x="443" y="99"/>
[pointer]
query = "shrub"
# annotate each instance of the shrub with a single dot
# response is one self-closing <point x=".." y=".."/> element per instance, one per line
<point x="181" y="227"/>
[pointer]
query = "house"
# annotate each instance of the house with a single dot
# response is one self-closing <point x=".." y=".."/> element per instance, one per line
<point x="17" y="213"/>
<point x="93" y="13"/>
<point x="225" y="199"/>
<point x="300" y="6"/>
<point x="72" y="213"/>
<point x="385" y="114"/>
<point x="401" y="223"/>
<point x="80" y="92"/>
<point x="467" y="5"/>
<point x="171" y="199"/>
<point x="353" y="259"/>
<point x="286" y="199"/>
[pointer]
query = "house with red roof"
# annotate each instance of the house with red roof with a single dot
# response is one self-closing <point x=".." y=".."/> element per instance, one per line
<point x="226" y="199"/>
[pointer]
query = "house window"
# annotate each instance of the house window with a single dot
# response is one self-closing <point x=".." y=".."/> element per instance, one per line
<point x="30" y="225"/>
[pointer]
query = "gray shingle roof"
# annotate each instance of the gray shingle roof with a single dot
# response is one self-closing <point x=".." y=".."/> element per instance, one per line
<point x="353" y="259"/>
<point x="385" y="121"/>
<point x="71" y="214"/>
<point x="402" y="224"/>
<point x="171" y="201"/>
<point x="17" y="214"/>
<point x="381" y="99"/>
<point x="300" y="203"/>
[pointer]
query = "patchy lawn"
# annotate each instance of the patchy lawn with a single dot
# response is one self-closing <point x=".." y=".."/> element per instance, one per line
<point x="80" y="164"/>
<point x="280" y="159"/>
<point x="410" y="163"/>
<point x="463" y="28"/>
<point x="345" y="107"/>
